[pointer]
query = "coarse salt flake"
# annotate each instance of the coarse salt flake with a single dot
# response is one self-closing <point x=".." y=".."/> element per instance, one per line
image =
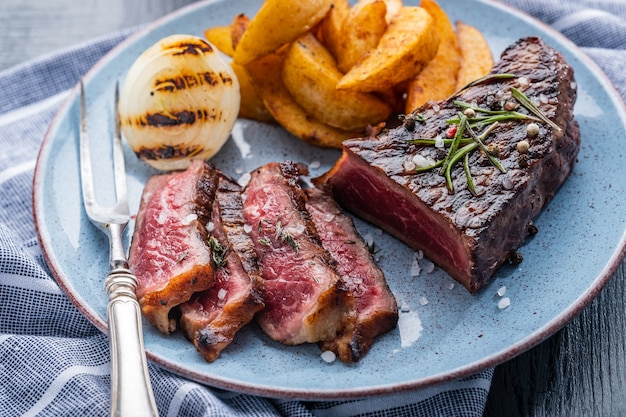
<point x="419" y="254"/>
<point x="428" y="266"/>
<point x="247" y="228"/>
<point x="315" y="164"/>
<point x="504" y="303"/>
<point x="328" y="356"/>
<point x="422" y="162"/>
<point x="221" y="294"/>
<point x="439" y="143"/>
<point x="451" y="286"/>
<point x="408" y="165"/>
<point x="244" y="179"/>
<point x="415" y="268"/>
<point x="210" y="226"/>
<point x="501" y="291"/>
<point x="189" y="219"/>
<point x="423" y="301"/>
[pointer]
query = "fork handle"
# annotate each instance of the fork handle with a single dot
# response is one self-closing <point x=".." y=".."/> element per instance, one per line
<point x="131" y="391"/>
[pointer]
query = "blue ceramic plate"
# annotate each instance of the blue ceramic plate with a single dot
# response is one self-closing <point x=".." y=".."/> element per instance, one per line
<point x="444" y="332"/>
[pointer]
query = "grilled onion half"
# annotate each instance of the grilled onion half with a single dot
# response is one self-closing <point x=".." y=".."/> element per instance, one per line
<point x="179" y="101"/>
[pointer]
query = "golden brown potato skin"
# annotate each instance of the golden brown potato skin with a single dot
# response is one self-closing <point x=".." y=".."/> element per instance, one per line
<point x="437" y="81"/>
<point x="405" y="48"/>
<point x="476" y="57"/>
<point x="276" y="23"/>
<point x="310" y="74"/>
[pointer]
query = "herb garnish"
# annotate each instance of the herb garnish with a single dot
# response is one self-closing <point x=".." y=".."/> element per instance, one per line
<point x="218" y="251"/>
<point x="471" y="118"/>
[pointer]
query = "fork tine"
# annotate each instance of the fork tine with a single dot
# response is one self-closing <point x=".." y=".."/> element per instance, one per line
<point x="86" y="177"/>
<point x="118" y="159"/>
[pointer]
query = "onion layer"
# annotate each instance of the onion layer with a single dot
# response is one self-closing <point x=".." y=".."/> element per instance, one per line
<point x="179" y="101"/>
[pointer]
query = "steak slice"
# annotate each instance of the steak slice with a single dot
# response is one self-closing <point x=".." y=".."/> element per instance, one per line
<point x="212" y="317"/>
<point x="305" y="299"/>
<point x="375" y="306"/>
<point x="468" y="236"/>
<point x="169" y="252"/>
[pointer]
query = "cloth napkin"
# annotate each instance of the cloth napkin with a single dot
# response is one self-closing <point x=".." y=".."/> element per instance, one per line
<point x="53" y="362"/>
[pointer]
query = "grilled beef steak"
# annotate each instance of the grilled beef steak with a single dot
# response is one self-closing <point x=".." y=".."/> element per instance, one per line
<point x="470" y="236"/>
<point x="305" y="299"/>
<point x="169" y="252"/>
<point x="212" y="317"/>
<point x="375" y="306"/>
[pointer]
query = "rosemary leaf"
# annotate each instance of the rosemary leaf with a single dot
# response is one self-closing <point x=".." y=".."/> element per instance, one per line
<point x="468" y="175"/>
<point x="483" y="80"/>
<point x="530" y="106"/>
<point x="455" y="158"/>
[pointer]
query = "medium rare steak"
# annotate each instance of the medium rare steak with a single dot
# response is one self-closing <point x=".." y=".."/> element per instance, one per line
<point x="305" y="299"/>
<point x="375" y="306"/>
<point x="169" y="252"/>
<point x="474" y="220"/>
<point x="212" y="317"/>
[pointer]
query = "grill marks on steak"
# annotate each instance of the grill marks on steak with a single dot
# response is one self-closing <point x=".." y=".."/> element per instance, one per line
<point x="212" y="317"/>
<point x="376" y="310"/>
<point x="169" y="253"/>
<point x="470" y="237"/>
<point x="305" y="299"/>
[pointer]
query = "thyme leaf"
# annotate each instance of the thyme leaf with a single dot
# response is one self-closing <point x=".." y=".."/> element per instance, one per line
<point x="218" y="252"/>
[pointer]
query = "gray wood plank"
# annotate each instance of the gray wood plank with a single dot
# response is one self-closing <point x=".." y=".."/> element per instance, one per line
<point x="579" y="371"/>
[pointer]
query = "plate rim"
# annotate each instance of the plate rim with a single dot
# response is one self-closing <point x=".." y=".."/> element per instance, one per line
<point x="524" y="344"/>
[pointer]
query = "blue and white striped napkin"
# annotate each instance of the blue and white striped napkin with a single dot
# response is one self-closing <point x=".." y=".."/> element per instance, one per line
<point x="53" y="362"/>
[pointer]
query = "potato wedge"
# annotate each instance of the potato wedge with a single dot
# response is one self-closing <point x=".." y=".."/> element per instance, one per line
<point x="238" y="27"/>
<point x="360" y="32"/>
<point x="393" y="7"/>
<point x="251" y="105"/>
<point x="311" y="75"/>
<point x="405" y="48"/>
<point x="437" y="81"/>
<point x="476" y="57"/>
<point x="221" y="38"/>
<point x="330" y="26"/>
<point x="266" y="77"/>
<point x="276" y="23"/>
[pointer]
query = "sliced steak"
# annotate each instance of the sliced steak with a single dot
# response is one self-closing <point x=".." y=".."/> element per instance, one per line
<point x="305" y="299"/>
<point x="375" y="306"/>
<point x="212" y="317"/>
<point x="169" y="252"/>
<point x="468" y="236"/>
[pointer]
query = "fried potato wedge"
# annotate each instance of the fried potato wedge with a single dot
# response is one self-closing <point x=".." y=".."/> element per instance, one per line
<point x="393" y="7"/>
<point x="437" y="81"/>
<point x="310" y="74"/>
<point x="330" y="27"/>
<point x="238" y="27"/>
<point x="221" y="38"/>
<point x="360" y="33"/>
<point x="251" y="105"/>
<point x="276" y="23"/>
<point x="405" y="48"/>
<point x="267" y="79"/>
<point x="476" y="57"/>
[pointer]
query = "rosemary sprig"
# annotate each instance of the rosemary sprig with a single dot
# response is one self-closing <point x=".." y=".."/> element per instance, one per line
<point x="461" y="146"/>
<point x="483" y="80"/>
<point x="530" y="106"/>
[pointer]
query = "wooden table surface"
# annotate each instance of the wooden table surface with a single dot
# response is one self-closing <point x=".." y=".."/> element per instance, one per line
<point x="580" y="371"/>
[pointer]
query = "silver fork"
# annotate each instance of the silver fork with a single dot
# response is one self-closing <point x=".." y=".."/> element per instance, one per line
<point x="131" y="391"/>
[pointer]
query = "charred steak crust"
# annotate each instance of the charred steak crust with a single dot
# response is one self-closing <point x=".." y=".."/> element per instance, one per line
<point x="468" y="236"/>
<point x="213" y="317"/>
<point x="168" y="253"/>
<point x="375" y="306"/>
<point x="305" y="299"/>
